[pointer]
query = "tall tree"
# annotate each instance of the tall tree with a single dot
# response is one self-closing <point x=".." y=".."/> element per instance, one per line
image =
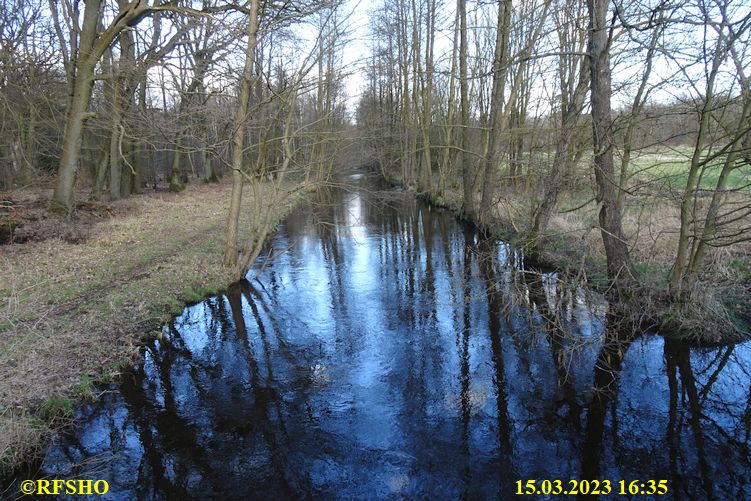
<point x="694" y="238"/>
<point x="86" y="51"/>
<point x="620" y="268"/>
<point x="82" y="74"/>
<point x="238" y="137"/>
<point x="468" y="176"/>
<point x="491" y="166"/>
<point x="573" y="76"/>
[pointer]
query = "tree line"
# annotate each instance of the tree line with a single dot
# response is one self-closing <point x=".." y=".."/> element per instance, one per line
<point x="539" y="101"/>
<point x="105" y="97"/>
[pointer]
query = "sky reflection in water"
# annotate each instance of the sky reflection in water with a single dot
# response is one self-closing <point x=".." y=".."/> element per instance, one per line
<point x="391" y="353"/>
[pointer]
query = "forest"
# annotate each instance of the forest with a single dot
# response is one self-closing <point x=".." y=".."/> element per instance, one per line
<point x="151" y="150"/>
<point x="619" y="127"/>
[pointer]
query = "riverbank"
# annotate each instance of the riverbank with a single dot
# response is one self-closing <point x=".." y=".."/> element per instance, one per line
<point x="75" y="307"/>
<point x="721" y="311"/>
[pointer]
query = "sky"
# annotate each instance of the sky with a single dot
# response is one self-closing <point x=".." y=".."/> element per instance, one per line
<point x="356" y="50"/>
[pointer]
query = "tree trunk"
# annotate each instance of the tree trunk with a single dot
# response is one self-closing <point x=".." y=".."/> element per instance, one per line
<point x="561" y="161"/>
<point x="466" y="167"/>
<point x="711" y="221"/>
<point x="426" y="172"/>
<point x="90" y="47"/>
<point x="620" y="269"/>
<point x="682" y="254"/>
<point x="403" y="52"/>
<point x="238" y="138"/>
<point x="636" y="108"/>
<point x="414" y="117"/>
<point x="115" y="136"/>
<point x="62" y="198"/>
<point x="491" y="174"/>
<point x="101" y="171"/>
<point x="27" y="166"/>
<point x="448" y="127"/>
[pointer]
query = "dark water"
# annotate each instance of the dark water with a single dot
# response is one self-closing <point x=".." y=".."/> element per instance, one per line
<point x="389" y="352"/>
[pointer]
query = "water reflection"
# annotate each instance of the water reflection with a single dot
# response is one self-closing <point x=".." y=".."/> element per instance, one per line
<point x="392" y="352"/>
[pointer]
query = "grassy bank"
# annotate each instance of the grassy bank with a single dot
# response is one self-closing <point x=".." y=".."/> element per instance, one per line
<point x="720" y="312"/>
<point x="74" y="308"/>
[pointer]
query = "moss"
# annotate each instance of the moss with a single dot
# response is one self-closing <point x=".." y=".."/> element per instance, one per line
<point x="56" y="208"/>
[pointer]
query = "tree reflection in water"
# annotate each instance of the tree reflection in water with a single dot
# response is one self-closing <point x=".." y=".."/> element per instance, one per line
<point x="393" y="352"/>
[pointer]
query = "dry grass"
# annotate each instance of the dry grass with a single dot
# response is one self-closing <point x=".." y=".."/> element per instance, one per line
<point x="20" y="437"/>
<point x="651" y="224"/>
<point x="70" y="313"/>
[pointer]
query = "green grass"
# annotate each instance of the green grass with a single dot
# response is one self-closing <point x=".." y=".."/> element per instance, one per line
<point x="196" y="295"/>
<point x="672" y="167"/>
<point x="742" y="267"/>
<point x="112" y="371"/>
<point x="55" y="407"/>
<point x="85" y="388"/>
<point x="656" y="273"/>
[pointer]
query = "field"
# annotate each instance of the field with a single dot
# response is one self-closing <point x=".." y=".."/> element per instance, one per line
<point x="670" y="166"/>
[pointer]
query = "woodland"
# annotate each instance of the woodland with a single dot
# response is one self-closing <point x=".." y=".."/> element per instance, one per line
<point x="608" y="140"/>
<point x="620" y="125"/>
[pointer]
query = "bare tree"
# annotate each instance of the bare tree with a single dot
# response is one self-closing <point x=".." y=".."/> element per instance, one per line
<point x="574" y="82"/>
<point x="620" y="268"/>
<point x="238" y="137"/>
<point x="87" y="45"/>
<point x="730" y="26"/>
<point x="501" y="63"/>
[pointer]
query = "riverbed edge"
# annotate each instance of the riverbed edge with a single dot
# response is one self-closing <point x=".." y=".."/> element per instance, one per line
<point x="657" y="310"/>
<point x="40" y="418"/>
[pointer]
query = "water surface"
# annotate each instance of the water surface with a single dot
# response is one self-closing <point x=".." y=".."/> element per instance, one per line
<point x="387" y="351"/>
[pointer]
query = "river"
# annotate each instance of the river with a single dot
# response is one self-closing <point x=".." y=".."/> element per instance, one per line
<point x="385" y="351"/>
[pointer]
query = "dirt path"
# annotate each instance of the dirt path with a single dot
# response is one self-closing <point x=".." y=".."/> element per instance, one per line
<point x="75" y="313"/>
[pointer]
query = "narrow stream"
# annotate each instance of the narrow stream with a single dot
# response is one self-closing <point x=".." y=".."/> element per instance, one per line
<point x="388" y="352"/>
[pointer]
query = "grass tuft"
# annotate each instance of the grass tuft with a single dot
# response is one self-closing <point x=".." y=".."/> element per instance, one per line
<point x="55" y="408"/>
